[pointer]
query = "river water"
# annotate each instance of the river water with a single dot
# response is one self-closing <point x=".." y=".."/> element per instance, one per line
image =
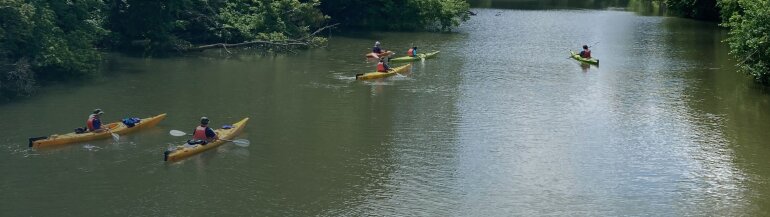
<point x="501" y="123"/>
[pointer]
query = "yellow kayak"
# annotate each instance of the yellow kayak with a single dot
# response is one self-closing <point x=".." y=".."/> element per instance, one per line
<point x="391" y="72"/>
<point x="183" y="151"/>
<point x="116" y="127"/>
<point x="419" y="56"/>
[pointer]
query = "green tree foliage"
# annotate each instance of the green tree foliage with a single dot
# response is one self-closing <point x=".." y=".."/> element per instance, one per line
<point x="749" y="23"/>
<point x="47" y="40"/>
<point x="57" y="39"/>
<point x="151" y="25"/>
<point x="698" y="9"/>
<point x="159" y="26"/>
<point x="274" y="20"/>
<point x="398" y="14"/>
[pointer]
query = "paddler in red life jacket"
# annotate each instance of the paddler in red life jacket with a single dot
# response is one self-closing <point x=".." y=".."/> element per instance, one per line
<point x="412" y="52"/>
<point x="382" y="66"/>
<point x="586" y="53"/>
<point x="203" y="134"/>
<point x="94" y="124"/>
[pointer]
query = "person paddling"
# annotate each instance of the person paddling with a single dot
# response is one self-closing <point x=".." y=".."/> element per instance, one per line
<point x="586" y="53"/>
<point x="382" y="66"/>
<point x="203" y="134"/>
<point x="412" y="52"/>
<point x="94" y="124"/>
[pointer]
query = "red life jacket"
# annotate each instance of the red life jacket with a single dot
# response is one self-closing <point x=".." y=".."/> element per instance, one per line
<point x="586" y="54"/>
<point x="200" y="133"/>
<point x="381" y="67"/>
<point x="410" y="52"/>
<point x="90" y="122"/>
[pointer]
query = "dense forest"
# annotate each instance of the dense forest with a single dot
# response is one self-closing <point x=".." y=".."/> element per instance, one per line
<point x="44" y="40"/>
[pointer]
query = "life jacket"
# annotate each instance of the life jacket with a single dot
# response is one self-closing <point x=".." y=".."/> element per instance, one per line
<point x="586" y="54"/>
<point x="381" y="67"/>
<point x="410" y="52"/>
<point x="377" y="50"/>
<point x="200" y="133"/>
<point x="90" y="122"/>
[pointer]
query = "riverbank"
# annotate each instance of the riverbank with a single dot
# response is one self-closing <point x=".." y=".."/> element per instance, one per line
<point x="55" y="41"/>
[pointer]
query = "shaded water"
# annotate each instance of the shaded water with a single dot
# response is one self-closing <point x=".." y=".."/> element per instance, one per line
<point x="501" y="123"/>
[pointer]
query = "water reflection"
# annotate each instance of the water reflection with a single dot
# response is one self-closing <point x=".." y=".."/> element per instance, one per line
<point x="728" y="110"/>
<point x="548" y="4"/>
<point x="641" y="7"/>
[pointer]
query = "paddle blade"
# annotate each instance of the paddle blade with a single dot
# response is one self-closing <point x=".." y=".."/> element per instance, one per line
<point x="116" y="137"/>
<point x="177" y="133"/>
<point x="242" y="142"/>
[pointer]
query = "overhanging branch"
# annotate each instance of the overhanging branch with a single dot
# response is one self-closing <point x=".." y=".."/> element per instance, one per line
<point x="303" y="42"/>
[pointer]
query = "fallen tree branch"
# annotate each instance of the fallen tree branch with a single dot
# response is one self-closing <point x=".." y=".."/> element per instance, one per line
<point x="319" y="30"/>
<point x="245" y="44"/>
<point x="292" y="42"/>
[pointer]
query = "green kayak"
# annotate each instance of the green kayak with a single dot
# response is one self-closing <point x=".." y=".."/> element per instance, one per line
<point x="584" y="60"/>
<point x="419" y="56"/>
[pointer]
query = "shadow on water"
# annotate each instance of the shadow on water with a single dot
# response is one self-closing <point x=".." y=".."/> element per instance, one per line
<point x="641" y="7"/>
<point x="730" y="106"/>
<point x="548" y="4"/>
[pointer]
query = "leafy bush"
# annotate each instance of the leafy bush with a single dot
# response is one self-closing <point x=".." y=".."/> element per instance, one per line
<point x="398" y="14"/>
<point x="16" y="79"/>
<point x="274" y="20"/>
<point x="48" y="40"/>
<point x="749" y="23"/>
<point x="160" y="26"/>
<point x="698" y="9"/>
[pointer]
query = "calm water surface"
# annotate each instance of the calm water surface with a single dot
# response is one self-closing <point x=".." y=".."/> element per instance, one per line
<point x="501" y="123"/>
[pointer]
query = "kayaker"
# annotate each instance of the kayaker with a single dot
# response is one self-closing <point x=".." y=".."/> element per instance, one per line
<point x="412" y="52"/>
<point x="376" y="49"/>
<point x="586" y="53"/>
<point x="382" y="66"/>
<point x="203" y="134"/>
<point x="94" y="124"/>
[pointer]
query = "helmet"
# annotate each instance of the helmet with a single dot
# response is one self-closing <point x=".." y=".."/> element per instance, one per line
<point x="98" y="112"/>
<point x="377" y="43"/>
<point x="204" y="120"/>
<point x="585" y="46"/>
